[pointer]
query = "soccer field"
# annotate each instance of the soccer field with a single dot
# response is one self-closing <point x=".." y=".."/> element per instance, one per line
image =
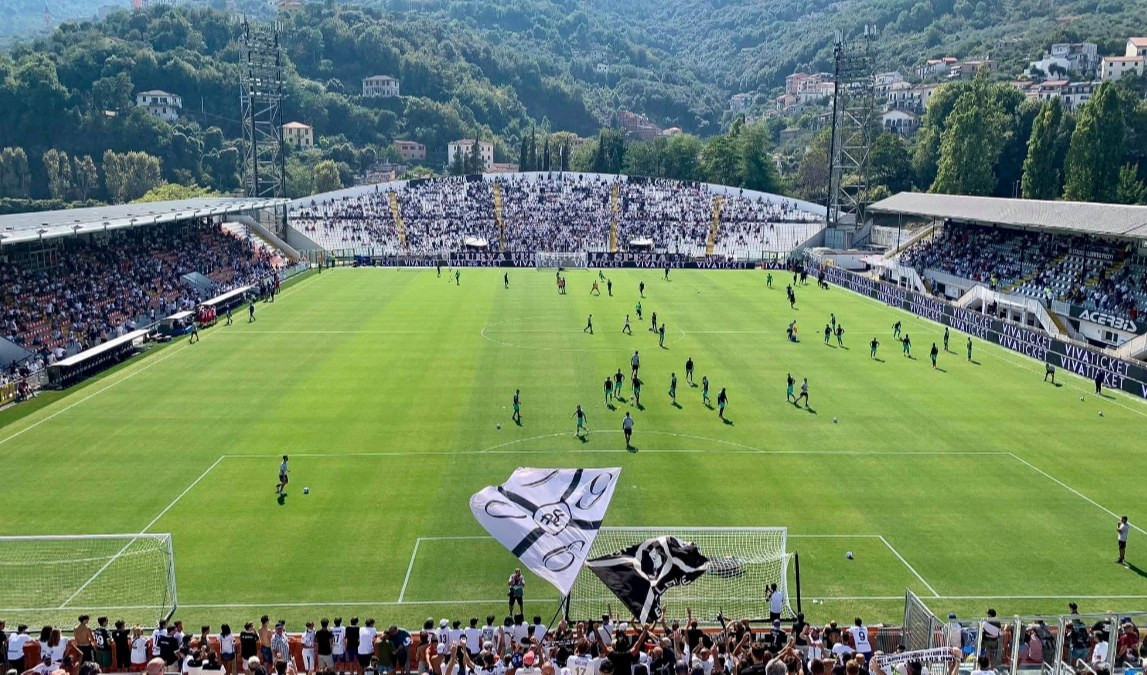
<point x="974" y="484"/>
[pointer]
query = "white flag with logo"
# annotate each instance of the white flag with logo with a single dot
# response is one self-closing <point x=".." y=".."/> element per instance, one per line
<point x="548" y="518"/>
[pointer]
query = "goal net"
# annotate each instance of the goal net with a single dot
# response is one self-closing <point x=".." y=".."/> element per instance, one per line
<point x="743" y="564"/>
<point x="51" y="580"/>
<point x="546" y="260"/>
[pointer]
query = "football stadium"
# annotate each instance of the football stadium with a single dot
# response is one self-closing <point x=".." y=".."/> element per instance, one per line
<point x="653" y="399"/>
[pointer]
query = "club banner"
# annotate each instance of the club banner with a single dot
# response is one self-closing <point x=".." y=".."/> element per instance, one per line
<point x="640" y="574"/>
<point x="548" y="518"/>
<point x="934" y="655"/>
<point x="1126" y="376"/>
<point x="594" y="260"/>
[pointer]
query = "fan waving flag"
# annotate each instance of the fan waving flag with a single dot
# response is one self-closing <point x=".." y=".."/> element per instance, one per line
<point x="640" y="574"/>
<point x="548" y="518"/>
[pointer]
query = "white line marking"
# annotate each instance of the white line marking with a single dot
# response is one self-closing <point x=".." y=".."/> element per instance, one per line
<point x="1001" y="353"/>
<point x="141" y="366"/>
<point x="1072" y="490"/>
<point x="910" y="567"/>
<point x="410" y="567"/>
<point x="580" y="451"/>
<point x="147" y="527"/>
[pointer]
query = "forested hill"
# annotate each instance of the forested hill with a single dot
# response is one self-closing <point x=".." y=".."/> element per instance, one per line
<point x="679" y="60"/>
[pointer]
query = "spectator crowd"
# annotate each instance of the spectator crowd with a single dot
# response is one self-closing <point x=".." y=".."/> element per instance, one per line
<point x="554" y="213"/>
<point x="606" y="647"/>
<point x="1084" y="270"/>
<point x="93" y="288"/>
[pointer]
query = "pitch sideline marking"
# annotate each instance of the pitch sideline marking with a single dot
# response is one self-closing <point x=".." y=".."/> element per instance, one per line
<point x="924" y="321"/>
<point x="147" y="527"/>
<point x="141" y="366"/>
<point x="409" y="569"/>
<point x="1072" y="490"/>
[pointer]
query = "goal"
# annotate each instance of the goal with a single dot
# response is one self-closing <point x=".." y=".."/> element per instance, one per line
<point x="743" y="563"/>
<point x="50" y="580"/>
<point x="547" y="260"/>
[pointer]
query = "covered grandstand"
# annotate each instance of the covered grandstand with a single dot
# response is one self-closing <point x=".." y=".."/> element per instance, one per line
<point x="1084" y="263"/>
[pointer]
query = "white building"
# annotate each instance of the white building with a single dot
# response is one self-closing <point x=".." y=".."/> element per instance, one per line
<point x="903" y="96"/>
<point x="1133" y="59"/>
<point x="1082" y="57"/>
<point x="465" y="145"/>
<point x="380" y="86"/>
<point x="299" y="135"/>
<point x="160" y="103"/>
<point x="1076" y="94"/>
<point x="901" y="122"/>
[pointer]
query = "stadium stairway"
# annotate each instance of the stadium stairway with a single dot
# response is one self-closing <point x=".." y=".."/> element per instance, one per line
<point x="498" y="220"/>
<point x="714" y="225"/>
<point x="1019" y="283"/>
<point x="615" y="208"/>
<point x="396" y="213"/>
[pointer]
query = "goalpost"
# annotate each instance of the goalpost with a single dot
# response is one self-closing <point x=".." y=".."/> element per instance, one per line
<point x="548" y="260"/>
<point x="743" y="563"/>
<point x="50" y="580"/>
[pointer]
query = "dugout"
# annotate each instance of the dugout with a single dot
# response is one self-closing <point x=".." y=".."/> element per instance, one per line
<point x="67" y="372"/>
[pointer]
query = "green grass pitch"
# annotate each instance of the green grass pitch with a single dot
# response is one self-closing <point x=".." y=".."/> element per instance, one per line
<point x="975" y="485"/>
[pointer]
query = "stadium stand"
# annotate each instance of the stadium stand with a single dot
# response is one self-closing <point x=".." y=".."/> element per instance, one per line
<point x="1091" y="644"/>
<point x="92" y="290"/>
<point x="1086" y="270"/>
<point x="567" y="212"/>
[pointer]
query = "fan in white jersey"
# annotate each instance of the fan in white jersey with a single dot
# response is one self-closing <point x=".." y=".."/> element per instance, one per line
<point x="580" y="663"/>
<point x="859" y="635"/>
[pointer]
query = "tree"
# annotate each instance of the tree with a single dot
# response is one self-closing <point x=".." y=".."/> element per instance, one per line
<point x="524" y="155"/>
<point x="681" y="154"/>
<point x="85" y="176"/>
<point x="59" y="170"/>
<point x="756" y="166"/>
<point x="475" y="165"/>
<point x="1041" y="170"/>
<point x="890" y="164"/>
<point x="970" y="145"/>
<point x="926" y="152"/>
<point x="811" y="179"/>
<point x="15" y="176"/>
<point x="1130" y="190"/>
<point x="458" y="164"/>
<point x="1091" y="169"/>
<point x="327" y="177"/>
<point x="721" y="163"/>
<point x="130" y="175"/>
<point x="646" y="158"/>
<point x="167" y="192"/>
<point x="609" y="154"/>
<point x="546" y="155"/>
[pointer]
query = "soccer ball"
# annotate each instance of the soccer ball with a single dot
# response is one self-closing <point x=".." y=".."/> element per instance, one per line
<point x="499" y="425"/>
<point x="306" y="491"/>
<point x="1081" y="398"/>
<point x="1101" y="413"/>
<point x="834" y="420"/>
<point x="848" y="555"/>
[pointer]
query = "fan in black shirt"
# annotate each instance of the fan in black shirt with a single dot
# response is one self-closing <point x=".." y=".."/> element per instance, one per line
<point x="121" y="636"/>
<point x="248" y="642"/>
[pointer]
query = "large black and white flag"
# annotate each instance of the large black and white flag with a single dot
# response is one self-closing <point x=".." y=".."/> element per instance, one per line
<point x="548" y="518"/>
<point x="638" y="575"/>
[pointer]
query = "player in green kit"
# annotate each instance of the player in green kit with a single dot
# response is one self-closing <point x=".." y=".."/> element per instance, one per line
<point x="907" y="344"/>
<point x="935" y="351"/>
<point x="637" y="310"/>
<point x="673" y="387"/>
<point x="635" y="383"/>
<point x="789" y="382"/>
<point x="896" y="329"/>
<point x="608" y="390"/>
<point x="581" y="422"/>
<point x="945" y="338"/>
<point x="661" y="336"/>
<point x="518" y="406"/>
<point x="769" y="280"/>
<point x="457" y="277"/>
<point x="722" y="401"/>
<point x="827" y="333"/>
<point x="705" y="389"/>
<point x="872" y="348"/>
<point x="832" y="319"/>
<point x="601" y="275"/>
<point x="969" y="349"/>
<point x="840" y="335"/>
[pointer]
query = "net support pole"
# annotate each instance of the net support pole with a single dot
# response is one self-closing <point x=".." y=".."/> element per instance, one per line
<point x="797" y="579"/>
